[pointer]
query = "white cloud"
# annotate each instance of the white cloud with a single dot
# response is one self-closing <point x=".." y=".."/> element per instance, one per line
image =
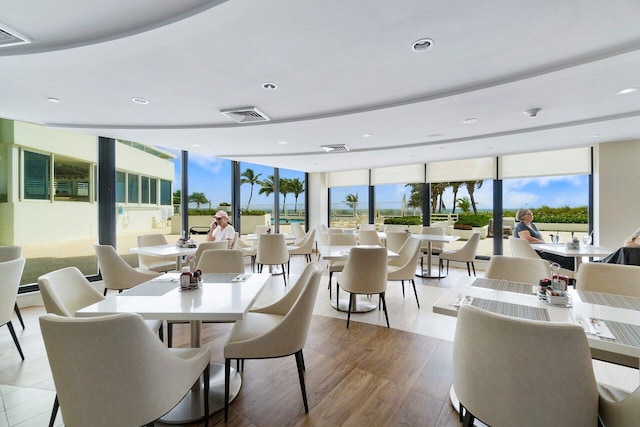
<point x="518" y="199"/>
<point x="207" y="162"/>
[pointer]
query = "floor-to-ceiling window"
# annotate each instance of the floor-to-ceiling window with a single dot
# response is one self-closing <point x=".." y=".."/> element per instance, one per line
<point x="257" y="195"/>
<point x="292" y="198"/>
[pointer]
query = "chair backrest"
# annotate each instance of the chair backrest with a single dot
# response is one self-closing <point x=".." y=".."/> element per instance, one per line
<point x="66" y="291"/>
<point x="367" y="227"/>
<point x="515" y="372"/>
<point x="516" y="269"/>
<point x="151" y="240"/>
<point x="369" y="237"/>
<point x="290" y="335"/>
<point x="205" y="246"/>
<point x="522" y="248"/>
<point x="335" y="231"/>
<point x="407" y="261"/>
<point x="305" y="246"/>
<point x="342" y="240"/>
<point x="394" y="227"/>
<point x="432" y="230"/>
<point x="10" y="276"/>
<point x="365" y="271"/>
<point x="261" y="229"/>
<point x="9" y="253"/>
<point x="470" y="249"/>
<point x="116" y="273"/>
<point x="113" y="371"/>
<point x="609" y="278"/>
<point x="323" y="235"/>
<point x="272" y="249"/>
<point x="619" y="413"/>
<point x="298" y="231"/>
<point x="395" y="240"/>
<point x="222" y="261"/>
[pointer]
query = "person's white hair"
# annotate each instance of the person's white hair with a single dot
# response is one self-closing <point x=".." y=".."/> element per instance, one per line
<point x="521" y="212"/>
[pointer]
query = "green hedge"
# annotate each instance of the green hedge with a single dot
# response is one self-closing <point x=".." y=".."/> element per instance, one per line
<point x="253" y="212"/>
<point x="563" y="215"/>
<point x="479" y="220"/>
<point x="405" y="220"/>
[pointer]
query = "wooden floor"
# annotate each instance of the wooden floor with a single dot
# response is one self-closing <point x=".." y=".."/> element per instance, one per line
<point x="366" y="375"/>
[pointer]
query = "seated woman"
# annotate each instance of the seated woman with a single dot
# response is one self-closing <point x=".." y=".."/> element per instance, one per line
<point x="526" y="229"/>
<point x="633" y="241"/>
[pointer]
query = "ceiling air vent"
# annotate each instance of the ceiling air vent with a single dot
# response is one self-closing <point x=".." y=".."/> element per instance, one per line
<point x="10" y="37"/>
<point x="245" y="115"/>
<point x="338" y="148"/>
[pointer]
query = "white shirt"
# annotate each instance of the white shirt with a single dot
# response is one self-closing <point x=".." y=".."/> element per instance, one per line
<point x="228" y="233"/>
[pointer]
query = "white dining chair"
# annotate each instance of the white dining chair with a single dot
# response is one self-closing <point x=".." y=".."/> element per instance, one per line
<point x="466" y="254"/>
<point x="395" y="240"/>
<point x="148" y="262"/>
<point x="404" y="267"/>
<point x="111" y="371"/>
<point x="336" y="266"/>
<point x="516" y="269"/>
<point x="298" y="232"/>
<point x="522" y="248"/>
<point x="272" y="250"/>
<point x="369" y="237"/>
<point x="204" y="246"/>
<point x="247" y="250"/>
<point x="609" y="278"/>
<point x="304" y="246"/>
<point x="221" y="261"/>
<point x="9" y="253"/>
<point x="116" y="273"/>
<point x="10" y="275"/>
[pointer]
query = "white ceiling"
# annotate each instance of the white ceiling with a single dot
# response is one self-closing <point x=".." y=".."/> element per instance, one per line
<point x="343" y="69"/>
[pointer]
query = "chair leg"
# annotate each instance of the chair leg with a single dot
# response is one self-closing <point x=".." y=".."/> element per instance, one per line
<point x="304" y="368"/>
<point x="160" y="332"/>
<point x="54" y="411"/>
<point x="402" y="281"/>
<point x="15" y="338"/>
<point x="461" y="411"/>
<point x="474" y="268"/>
<point x="349" y="309"/>
<point x="105" y="292"/>
<point x="300" y="363"/>
<point x="17" y="310"/>
<point x="227" y="374"/>
<point x="205" y="393"/>
<point x="468" y="269"/>
<point x="447" y="267"/>
<point x="284" y="276"/>
<point x="169" y="334"/>
<point x="413" y="282"/>
<point x="468" y="419"/>
<point x="288" y="267"/>
<point x="384" y="307"/>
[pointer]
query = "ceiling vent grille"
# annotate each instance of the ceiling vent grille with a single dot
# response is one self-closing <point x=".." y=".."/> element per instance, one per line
<point x="10" y="38"/>
<point x="245" y="115"/>
<point x="338" y="148"/>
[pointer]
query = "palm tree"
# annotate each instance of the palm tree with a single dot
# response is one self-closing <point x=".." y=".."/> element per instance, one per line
<point x="266" y="186"/>
<point x="471" y="187"/>
<point x="285" y="188"/>
<point x="198" y="198"/>
<point x="415" y="196"/>
<point x="297" y="188"/>
<point x="249" y="177"/>
<point x="352" y="201"/>
<point x="437" y="189"/>
<point x="455" y="186"/>
<point x="464" y="204"/>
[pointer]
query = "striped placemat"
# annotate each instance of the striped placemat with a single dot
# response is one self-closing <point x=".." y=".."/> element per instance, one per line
<point x="513" y="310"/>
<point x="611" y="300"/>
<point x="624" y="332"/>
<point x="218" y="277"/>
<point x="503" y="285"/>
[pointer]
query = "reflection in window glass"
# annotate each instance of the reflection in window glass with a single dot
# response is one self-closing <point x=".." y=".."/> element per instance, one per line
<point x="349" y="205"/>
<point x="120" y="187"/>
<point x="165" y="192"/>
<point x="153" y="191"/>
<point x="132" y="181"/>
<point x="36" y="176"/>
<point x="71" y="179"/>
<point x="145" y="189"/>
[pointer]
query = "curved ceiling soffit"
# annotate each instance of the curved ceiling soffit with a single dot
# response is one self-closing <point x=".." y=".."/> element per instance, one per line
<point x="30" y="49"/>
<point x="622" y="116"/>
<point x="501" y="81"/>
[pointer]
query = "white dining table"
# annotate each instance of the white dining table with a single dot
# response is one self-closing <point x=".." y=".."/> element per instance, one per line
<point x="218" y="299"/>
<point x="253" y="237"/>
<point x="577" y="254"/>
<point x="361" y="303"/>
<point x="166" y="251"/>
<point x="606" y="349"/>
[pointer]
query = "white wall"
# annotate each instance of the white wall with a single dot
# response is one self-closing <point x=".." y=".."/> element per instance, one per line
<point x="318" y="196"/>
<point x="616" y="200"/>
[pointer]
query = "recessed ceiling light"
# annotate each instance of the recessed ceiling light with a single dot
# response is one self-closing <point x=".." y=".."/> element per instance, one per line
<point x="140" y="101"/>
<point x="533" y="112"/>
<point x="422" y="45"/>
<point x="367" y="135"/>
<point x="594" y="135"/>
<point x="269" y="86"/>
<point x="195" y="145"/>
<point x="53" y="100"/>
<point x="434" y="135"/>
<point x="282" y="142"/>
<point x="470" y="120"/>
<point x="626" y="91"/>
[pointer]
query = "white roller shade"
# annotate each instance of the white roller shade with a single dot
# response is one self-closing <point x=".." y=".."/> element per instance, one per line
<point x="574" y="161"/>
<point x="462" y="170"/>
<point x="349" y="178"/>
<point x="408" y="174"/>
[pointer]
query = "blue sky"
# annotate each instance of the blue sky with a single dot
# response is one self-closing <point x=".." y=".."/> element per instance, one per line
<point x="212" y="176"/>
